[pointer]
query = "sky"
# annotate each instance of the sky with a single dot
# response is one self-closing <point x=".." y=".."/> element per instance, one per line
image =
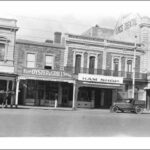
<point x="38" y="20"/>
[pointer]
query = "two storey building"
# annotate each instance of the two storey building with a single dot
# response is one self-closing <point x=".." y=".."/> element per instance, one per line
<point x="103" y="70"/>
<point x="8" y="75"/>
<point x="41" y="76"/>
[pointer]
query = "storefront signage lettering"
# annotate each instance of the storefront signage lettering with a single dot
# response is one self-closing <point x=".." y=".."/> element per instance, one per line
<point x="45" y="73"/>
<point x="100" y="78"/>
<point x="125" y="26"/>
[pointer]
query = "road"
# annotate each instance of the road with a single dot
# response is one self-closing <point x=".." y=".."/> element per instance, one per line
<point x="79" y="123"/>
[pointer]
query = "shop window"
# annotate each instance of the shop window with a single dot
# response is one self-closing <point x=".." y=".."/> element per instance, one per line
<point x="51" y="90"/>
<point x="49" y="62"/>
<point x="77" y="64"/>
<point x="83" y="95"/>
<point x="2" y="51"/>
<point x="31" y="89"/>
<point x="116" y="66"/>
<point x="129" y="66"/>
<point x="91" y="64"/>
<point x="30" y="60"/>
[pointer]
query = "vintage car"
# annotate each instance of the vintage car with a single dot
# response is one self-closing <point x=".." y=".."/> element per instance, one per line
<point x="128" y="105"/>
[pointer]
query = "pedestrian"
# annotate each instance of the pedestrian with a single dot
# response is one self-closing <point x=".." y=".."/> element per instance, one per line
<point x="5" y="99"/>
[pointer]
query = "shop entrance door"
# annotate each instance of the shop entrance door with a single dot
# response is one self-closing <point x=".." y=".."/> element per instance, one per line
<point x="107" y="98"/>
<point x="97" y="98"/>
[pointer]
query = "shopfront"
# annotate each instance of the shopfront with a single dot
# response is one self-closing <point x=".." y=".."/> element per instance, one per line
<point x="96" y="91"/>
<point x="7" y="84"/>
<point x="43" y="87"/>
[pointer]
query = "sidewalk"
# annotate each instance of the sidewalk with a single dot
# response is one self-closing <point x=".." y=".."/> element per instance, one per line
<point x="45" y="108"/>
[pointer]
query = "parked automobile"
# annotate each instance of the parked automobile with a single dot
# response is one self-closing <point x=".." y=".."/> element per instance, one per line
<point x="128" y="105"/>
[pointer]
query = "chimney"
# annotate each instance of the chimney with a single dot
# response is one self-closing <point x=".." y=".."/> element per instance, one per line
<point x="57" y="37"/>
<point x="48" y="41"/>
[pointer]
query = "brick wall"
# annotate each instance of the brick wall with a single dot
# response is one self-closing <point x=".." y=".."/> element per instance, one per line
<point x="137" y="64"/>
<point x="123" y="64"/>
<point x="22" y="48"/>
<point x="70" y="57"/>
<point x="108" y="61"/>
<point x="100" y="61"/>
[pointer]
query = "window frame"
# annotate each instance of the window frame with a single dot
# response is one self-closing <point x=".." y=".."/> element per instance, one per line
<point x="26" y="59"/>
<point x="5" y="46"/>
<point x="45" y="60"/>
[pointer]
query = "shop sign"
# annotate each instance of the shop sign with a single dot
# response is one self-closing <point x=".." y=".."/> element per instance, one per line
<point x="45" y="73"/>
<point x="100" y="78"/>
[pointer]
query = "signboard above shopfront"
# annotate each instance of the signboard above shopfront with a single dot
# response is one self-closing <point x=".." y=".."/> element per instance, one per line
<point x="45" y="73"/>
<point x="100" y="78"/>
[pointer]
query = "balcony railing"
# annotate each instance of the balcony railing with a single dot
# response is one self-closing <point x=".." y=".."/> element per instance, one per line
<point x="124" y="74"/>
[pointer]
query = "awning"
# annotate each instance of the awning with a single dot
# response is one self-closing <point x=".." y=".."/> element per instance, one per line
<point x="100" y="85"/>
<point x="46" y="79"/>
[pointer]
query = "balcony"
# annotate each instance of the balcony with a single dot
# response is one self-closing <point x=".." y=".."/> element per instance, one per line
<point x="127" y="75"/>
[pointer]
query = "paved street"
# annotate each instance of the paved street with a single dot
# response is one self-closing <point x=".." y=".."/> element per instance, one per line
<point x="66" y="123"/>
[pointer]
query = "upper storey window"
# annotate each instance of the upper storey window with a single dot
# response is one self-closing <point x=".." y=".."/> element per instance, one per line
<point x="49" y="62"/>
<point x="2" y="51"/>
<point x="30" y="60"/>
<point x="129" y="66"/>
<point x="116" y="66"/>
<point x="77" y="64"/>
<point x="91" y="64"/>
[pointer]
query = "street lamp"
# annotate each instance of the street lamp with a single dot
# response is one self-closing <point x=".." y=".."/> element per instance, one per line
<point x="133" y="75"/>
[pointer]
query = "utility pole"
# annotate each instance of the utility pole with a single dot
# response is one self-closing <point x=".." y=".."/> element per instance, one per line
<point x="134" y="63"/>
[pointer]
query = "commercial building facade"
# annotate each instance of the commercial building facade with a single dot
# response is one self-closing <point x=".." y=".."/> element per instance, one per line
<point x="103" y="70"/>
<point x="8" y="29"/>
<point x="42" y="80"/>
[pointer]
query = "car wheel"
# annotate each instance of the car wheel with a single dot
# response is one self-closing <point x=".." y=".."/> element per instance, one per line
<point x="114" y="109"/>
<point x="138" y="109"/>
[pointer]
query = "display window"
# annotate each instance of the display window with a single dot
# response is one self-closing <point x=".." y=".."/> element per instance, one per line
<point x="31" y="89"/>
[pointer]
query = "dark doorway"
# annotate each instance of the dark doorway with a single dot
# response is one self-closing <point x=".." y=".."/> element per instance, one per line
<point x="97" y="98"/>
<point x="107" y="98"/>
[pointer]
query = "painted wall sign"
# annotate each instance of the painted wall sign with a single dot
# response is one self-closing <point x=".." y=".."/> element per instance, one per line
<point x="45" y="73"/>
<point x="125" y="26"/>
<point x="100" y="78"/>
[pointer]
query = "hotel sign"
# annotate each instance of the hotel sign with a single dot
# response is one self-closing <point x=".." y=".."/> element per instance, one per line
<point x="100" y="78"/>
<point x="125" y="26"/>
<point x="45" y="73"/>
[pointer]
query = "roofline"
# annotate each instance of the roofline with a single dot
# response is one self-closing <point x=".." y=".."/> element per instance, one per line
<point x="9" y="27"/>
<point x="90" y="38"/>
<point x="22" y="41"/>
<point x="8" y="19"/>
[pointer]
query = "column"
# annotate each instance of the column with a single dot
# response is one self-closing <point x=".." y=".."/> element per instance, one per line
<point x="17" y="92"/>
<point x="75" y="93"/>
<point x="102" y="97"/>
<point x="24" y="92"/>
<point x="92" y="98"/>
<point x="12" y="96"/>
<point x="7" y="90"/>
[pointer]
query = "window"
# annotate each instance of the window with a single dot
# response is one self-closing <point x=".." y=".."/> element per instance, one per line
<point x="49" y="62"/>
<point x="77" y="64"/>
<point x="2" y="51"/>
<point x="91" y="64"/>
<point x="129" y="66"/>
<point x="30" y="60"/>
<point x="116" y="66"/>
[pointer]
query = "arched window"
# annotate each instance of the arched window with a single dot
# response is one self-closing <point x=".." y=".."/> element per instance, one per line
<point x="116" y="66"/>
<point x="91" y="64"/>
<point x="129" y="66"/>
<point x="2" y="51"/>
<point x="78" y="64"/>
